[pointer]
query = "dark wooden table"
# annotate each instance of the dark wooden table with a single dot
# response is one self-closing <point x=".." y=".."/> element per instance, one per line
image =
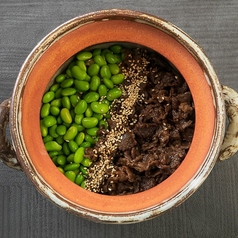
<point x="211" y="212"/>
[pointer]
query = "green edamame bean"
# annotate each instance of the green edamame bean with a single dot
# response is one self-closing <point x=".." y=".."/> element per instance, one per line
<point x="70" y="158"/>
<point x="56" y="102"/>
<point x="88" y="112"/>
<point x="66" y="124"/>
<point x="59" y="140"/>
<point x="70" y="175"/>
<point x="45" y="110"/>
<point x="120" y="57"/>
<point x="58" y="93"/>
<point x="61" y="160"/>
<point x="82" y="86"/>
<point x="59" y="120"/>
<point x="107" y="116"/>
<point x="69" y="73"/>
<point x="61" y="170"/>
<point x="116" y="49"/>
<point x="78" y="73"/>
<point x="65" y="115"/>
<point x="105" y="72"/>
<point x="71" y="64"/>
<point x="52" y="146"/>
<point x="54" y="159"/>
<point x="61" y="130"/>
<point x="91" y="97"/>
<point x="92" y="131"/>
<point x="98" y="59"/>
<point x="43" y="129"/>
<point x="65" y="149"/>
<point x="102" y="90"/>
<point x="67" y="83"/>
<point x="95" y="82"/>
<point x="71" y="167"/>
<point x="73" y="146"/>
<point x="106" y="102"/>
<point x="104" y="52"/>
<point x="84" y="55"/>
<point x="76" y="172"/>
<point x="79" y="138"/>
<point x="98" y="107"/>
<point x="114" y="69"/>
<point x="82" y="77"/>
<point x="98" y="116"/>
<point x="79" y="127"/>
<point x="48" y="96"/>
<point x="96" y="52"/>
<point x="66" y="102"/>
<point x="93" y="69"/>
<point x="86" y="162"/>
<point x="82" y="65"/>
<point x="81" y="107"/>
<point x="83" y="185"/>
<point x="79" y="179"/>
<point x="84" y="170"/>
<point x="53" y="154"/>
<point x="49" y="121"/>
<point x="47" y="138"/>
<point x="52" y="131"/>
<point x="89" y="122"/>
<point x="88" y="78"/>
<point x="55" y="111"/>
<point x="89" y="139"/>
<point x="86" y="144"/>
<point x="79" y="155"/>
<point x="78" y="118"/>
<point x="89" y="62"/>
<point x="108" y="83"/>
<point x="72" y="113"/>
<point x="71" y="133"/>
<point x="60" y="78"/>
<point x="74" y="99"/>
<point x="117" y="78"/>
<point x="114" y="93"/>
<point x="103" y="123"/>
<point x="54" y="87"/>
<point x="68" y="91"/>
<point x="111" y="59"/>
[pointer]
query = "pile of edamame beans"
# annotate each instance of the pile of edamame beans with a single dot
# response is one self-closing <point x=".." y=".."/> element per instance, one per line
<point x="77" y="105"/>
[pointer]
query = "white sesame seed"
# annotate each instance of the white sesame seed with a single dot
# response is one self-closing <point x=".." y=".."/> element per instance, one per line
<point x="136" y="75"/>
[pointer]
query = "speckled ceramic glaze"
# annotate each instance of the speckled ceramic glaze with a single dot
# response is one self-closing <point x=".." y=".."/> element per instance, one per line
<point x="112" y="26"/>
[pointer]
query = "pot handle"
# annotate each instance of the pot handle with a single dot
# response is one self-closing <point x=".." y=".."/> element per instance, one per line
<point x="230" y="143"/>
<point x="7" y="153"/>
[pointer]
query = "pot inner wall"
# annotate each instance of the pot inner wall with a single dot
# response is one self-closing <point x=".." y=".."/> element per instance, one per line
<point x="39" y="73"/>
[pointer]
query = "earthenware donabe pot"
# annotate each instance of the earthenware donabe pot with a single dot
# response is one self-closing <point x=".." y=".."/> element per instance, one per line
<point x="22" y="111"/>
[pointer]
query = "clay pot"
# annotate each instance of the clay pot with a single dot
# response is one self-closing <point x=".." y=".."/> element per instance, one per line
<point x="110" y="26"/>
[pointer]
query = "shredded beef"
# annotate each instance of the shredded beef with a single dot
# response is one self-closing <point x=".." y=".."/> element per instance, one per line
<point x="128" y="141"/>
<point x="159" y="132"/>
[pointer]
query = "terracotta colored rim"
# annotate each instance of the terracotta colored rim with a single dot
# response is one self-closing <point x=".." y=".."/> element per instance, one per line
<point x="116" y="26"/>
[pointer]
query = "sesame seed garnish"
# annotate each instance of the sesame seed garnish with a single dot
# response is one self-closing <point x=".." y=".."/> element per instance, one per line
<point x="135" y="74"/>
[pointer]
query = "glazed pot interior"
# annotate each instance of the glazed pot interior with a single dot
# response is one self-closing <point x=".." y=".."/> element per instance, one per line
<point x="55" y="52"/>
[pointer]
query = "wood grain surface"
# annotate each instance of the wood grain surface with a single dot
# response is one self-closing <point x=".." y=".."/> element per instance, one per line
<point x="212" y="211"/>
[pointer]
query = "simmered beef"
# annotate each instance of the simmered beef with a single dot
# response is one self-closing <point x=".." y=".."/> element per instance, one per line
<point x="158" y="127"/>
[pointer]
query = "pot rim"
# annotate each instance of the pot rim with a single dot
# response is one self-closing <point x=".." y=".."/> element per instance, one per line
<point x="118" y="216"/>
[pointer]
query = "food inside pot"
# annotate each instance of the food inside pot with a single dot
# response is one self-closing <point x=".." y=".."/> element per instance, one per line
<point x="118" y="120"/>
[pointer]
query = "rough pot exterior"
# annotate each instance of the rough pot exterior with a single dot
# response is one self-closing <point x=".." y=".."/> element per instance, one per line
<point x="112" y="26"/>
